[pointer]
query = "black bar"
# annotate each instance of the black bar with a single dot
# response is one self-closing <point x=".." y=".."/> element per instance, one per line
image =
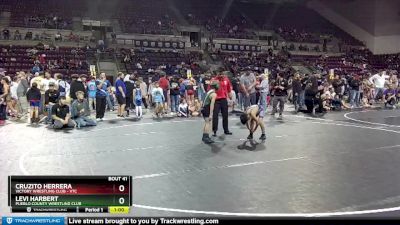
<point x="9" y="190"/>
<point x="130" y="194"/>
<point x="93" y="209"/>
<point x="44" y="209"/>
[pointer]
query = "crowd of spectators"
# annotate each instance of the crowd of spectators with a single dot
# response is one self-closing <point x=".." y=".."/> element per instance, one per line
<point x="170" y="92"/>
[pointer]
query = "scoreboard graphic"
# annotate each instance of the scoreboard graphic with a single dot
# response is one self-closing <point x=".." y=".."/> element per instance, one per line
<point x="75" y="194"/>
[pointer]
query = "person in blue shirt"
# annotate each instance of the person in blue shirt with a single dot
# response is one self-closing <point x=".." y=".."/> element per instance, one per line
<point x="120" y="91"/>
<point x="101" y="96"/>
<point x="92" y="89"/>
<point x="138" y="100"/>
<point x="106" y="86"/>
<point x="158" y="99"/>
<point x="35" y="69"/>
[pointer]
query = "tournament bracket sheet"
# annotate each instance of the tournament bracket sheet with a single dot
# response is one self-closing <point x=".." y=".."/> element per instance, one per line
<point x="77" y="194"/>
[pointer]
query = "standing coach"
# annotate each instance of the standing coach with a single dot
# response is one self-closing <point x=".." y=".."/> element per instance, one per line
<point x="221" y="103"/>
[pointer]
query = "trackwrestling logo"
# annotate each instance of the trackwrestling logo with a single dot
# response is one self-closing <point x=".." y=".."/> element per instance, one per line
<point x="33" y="220"/>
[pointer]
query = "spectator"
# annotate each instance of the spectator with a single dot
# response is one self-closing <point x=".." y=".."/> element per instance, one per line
<point x="3" y="102"/>
<point x="248" y="83"/>
<point x="61" y="115"/>
<point x="297" y="92"/>
<point x="63" y="87"/>
<point x="194" y="109"/>
<point x="138" y="99"/>
<point x="280" y="94"/>
<point x="80" y="111"/>
<point x="158" y="99"/>
<point x="22" y="88"/>
<point x="101" y="45"/>
<point x="92" y="89"/>
<point x="120" y="90"/>
<point x="264" y="91"/>
<point x="51" y="97"/>
<point x="76" y="85"/>
<point x="47" y="80"/>
<point x="183" y="109"/>
<point x="164" y="84"/>
<point x="379" y="81"/>
<point x="58" y="36"/>
<point x="174" y="92"/>
<point x="36" y="68"/>
<point x="28" y="35"/>
<point x="34" y="97"/>
<point x="143" y="89"/>
<point x="338" y="84"/>
<point x="17" y="35"/>
<point x="130" y="86"/>
<point x="190" y="91"/>
<point x="355" y="85"/>
<point x="101" y="97"/>
<point x="106" y="86"/>
<point x="6" y="34"/>
<point x="389" y="97"/>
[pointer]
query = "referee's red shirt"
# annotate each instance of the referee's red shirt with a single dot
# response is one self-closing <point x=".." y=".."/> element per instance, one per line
<point x="225" y="87"/>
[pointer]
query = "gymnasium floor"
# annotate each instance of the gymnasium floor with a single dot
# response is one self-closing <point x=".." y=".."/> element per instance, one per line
<point x="341" y="164"/>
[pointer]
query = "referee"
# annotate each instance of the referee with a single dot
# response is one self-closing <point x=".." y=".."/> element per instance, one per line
<point x="221" y="103"/>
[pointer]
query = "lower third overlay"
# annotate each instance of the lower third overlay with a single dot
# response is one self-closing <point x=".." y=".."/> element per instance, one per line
<point x="105" y="220"/>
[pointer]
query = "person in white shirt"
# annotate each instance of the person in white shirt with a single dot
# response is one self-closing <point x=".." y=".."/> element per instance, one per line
<point x="379" y="81"/>
<point x="264" y="90"/>
<point x="158" y="99"/>
<point x="183" y="110"/>
<point x="47" y="80"/>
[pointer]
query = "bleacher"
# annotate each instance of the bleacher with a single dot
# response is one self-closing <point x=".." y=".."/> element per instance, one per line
<point x="22" y="58"/>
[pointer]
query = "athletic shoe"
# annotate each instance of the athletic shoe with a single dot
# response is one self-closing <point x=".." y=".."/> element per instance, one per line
<point x="98" y="119"/>
<point x="206" y="139"/>
<point x="228" y="133"/>
<point x="250" y="137"/>
<point x="263" y="137"/>
<point x="214" y="134"/>
<point x="280" y="117"/>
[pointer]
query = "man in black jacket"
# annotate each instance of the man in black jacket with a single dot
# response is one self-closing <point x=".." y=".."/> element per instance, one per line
<point x="337" y="85"/>
<point x="280" y="92"/>
<point x="130" y="85"/>
<point x="76" y="85"/>
<point x="355" y="84"/>
<point x="50" y="98"/>
<point x="297" y="92"/>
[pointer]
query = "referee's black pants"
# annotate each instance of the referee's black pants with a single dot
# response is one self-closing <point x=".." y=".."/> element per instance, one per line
<point x="220" y="105"/>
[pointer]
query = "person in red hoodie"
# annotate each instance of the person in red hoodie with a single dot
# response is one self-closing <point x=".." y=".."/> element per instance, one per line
<point x="164" y="84"/>
<point x="221" y="103"/>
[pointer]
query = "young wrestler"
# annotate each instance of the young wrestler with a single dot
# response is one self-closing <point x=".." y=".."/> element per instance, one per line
<point x="253" y="117"/>
<point x="207" y="111"/>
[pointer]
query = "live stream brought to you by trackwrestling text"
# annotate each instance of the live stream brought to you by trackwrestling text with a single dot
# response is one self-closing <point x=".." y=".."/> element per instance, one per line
<point x="149" y="112"/>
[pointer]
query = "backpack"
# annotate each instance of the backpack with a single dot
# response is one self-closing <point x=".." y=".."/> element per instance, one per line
<point x="138" y="95"/>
